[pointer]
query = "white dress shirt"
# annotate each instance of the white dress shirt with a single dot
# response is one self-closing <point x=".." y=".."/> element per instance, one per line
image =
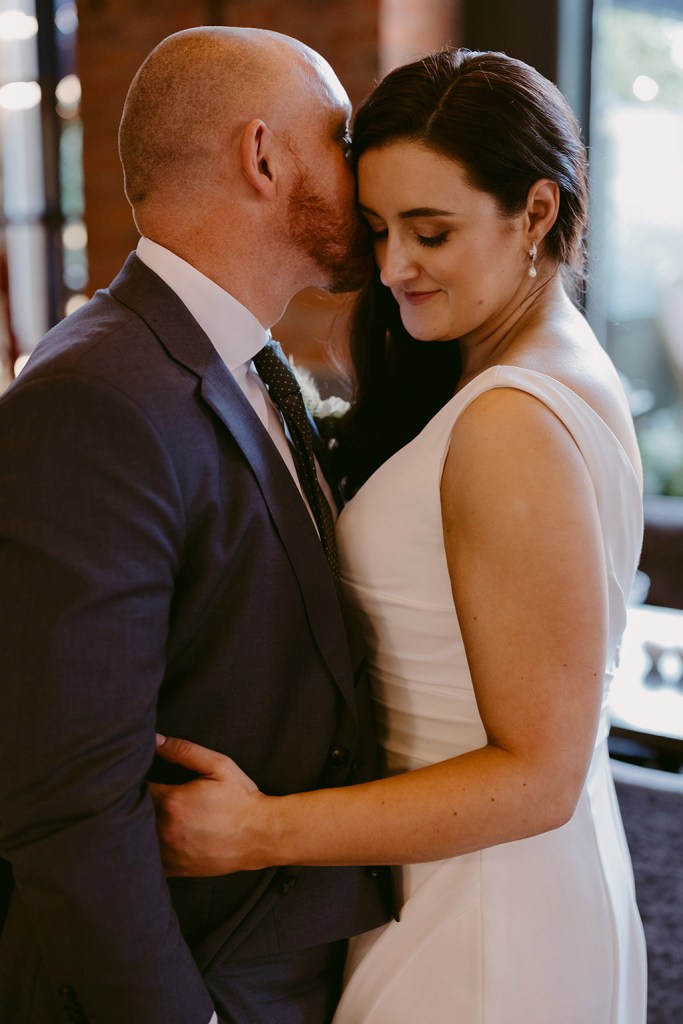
<point x="236" y="335"/>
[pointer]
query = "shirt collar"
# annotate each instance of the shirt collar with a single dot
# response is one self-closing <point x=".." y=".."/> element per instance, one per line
<point x="233" y="330"/>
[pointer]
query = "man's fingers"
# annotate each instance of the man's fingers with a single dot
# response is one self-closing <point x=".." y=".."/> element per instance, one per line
<point x="191" y="755"/>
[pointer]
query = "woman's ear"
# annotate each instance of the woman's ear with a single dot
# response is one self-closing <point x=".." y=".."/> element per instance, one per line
<point x="258" y="158"/>
<point x="543" y="206"/>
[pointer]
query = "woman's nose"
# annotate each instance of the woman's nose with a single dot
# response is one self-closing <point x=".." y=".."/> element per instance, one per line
<point x="395" y="264"/>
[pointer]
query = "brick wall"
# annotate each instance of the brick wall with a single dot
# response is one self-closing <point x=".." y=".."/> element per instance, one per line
<point x="410" y="28"/>
<point x="113" y="39"/>
<point x="360" y="39"/>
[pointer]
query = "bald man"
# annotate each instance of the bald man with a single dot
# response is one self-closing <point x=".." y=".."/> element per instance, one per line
<point x="162" y="567"/>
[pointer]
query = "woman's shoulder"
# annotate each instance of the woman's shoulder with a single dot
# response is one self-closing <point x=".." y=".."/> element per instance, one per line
<point x="507" y="411"/>
<point x="562" y="377"/>
<point x="563" y="348"/>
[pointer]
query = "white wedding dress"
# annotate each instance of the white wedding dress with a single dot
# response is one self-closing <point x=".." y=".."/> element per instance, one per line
<point x="538" y="931"/>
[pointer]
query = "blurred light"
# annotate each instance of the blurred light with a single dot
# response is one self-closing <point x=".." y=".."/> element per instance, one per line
<point x="677" y="47"/>
<point x="68" y="91"/>
<point x="20" y="363"/>
<point x="66" y="19"/>
<point x="20" y="95"/>
<point x="75" y="236"/>
<point x="15" y="25"/>
<point x="645" y="88"/>
<point x="75" y="276"/>
<point x="75" y="302"/>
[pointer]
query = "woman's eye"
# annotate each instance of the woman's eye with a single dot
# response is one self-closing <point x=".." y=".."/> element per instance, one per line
<point x="377" y="234"/>
<point x="432" y="241"/>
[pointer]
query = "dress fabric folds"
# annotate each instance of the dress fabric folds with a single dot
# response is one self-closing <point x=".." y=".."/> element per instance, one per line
<point x="535" y="931"/>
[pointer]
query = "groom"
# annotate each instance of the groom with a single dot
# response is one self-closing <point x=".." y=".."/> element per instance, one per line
<point x="162" y="568"/>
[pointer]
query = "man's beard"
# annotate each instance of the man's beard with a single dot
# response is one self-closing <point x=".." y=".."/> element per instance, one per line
<point x="337" y="244"/>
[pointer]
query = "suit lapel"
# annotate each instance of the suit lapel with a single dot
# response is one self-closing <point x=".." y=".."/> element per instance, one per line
<point x="146" y="294"/>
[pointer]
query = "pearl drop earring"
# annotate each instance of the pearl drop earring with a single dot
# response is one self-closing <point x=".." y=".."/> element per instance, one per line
<point x="533" y="253"/>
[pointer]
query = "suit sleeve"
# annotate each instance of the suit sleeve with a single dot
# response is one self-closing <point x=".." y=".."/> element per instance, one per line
<point x="91" y="528"/>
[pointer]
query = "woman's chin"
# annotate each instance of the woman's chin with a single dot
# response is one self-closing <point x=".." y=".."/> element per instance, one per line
<point x="428" y="336"/>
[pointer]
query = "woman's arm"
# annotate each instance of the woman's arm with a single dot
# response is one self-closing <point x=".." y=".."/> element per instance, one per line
<point x="525" y="557"/>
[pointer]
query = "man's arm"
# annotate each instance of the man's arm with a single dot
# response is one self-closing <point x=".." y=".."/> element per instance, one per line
<point x="89" y="542"/>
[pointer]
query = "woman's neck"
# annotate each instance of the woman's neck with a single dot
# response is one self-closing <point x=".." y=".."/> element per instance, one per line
<point x="491" y="344"/>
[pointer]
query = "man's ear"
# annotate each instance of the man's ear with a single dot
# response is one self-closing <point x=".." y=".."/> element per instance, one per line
<point x="543" y="206"/>
<point x="258" y="158"/>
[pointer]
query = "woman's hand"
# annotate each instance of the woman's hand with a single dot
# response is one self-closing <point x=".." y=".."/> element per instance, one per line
<point x="206" y="827"/>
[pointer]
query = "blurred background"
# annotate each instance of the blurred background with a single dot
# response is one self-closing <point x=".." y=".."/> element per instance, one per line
<point x="65" y="227"/>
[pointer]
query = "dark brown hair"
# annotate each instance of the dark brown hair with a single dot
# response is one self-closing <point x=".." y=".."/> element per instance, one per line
<point x="507" y="126"/>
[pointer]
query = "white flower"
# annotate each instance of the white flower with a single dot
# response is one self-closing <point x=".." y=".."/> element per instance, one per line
<point x="309" y="388"/>
<point x="319" y="408"/>
<point x="332" y="406"/>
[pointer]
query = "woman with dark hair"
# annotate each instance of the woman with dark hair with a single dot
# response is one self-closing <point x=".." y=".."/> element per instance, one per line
<point x="505" y="138"/>
<point x="488" y="553"/>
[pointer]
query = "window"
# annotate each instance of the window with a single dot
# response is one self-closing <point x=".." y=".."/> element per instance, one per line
<point x="635" y="297"/>
<point x="43" y="266"/>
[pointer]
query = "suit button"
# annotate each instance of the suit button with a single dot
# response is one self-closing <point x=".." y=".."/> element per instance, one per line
<point x="338" y="757"/>
<point x="288" y="885"/>
<point x="373" y="872"/>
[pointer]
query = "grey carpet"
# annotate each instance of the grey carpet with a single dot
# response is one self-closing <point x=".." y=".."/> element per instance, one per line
<point x="653" y="821"/>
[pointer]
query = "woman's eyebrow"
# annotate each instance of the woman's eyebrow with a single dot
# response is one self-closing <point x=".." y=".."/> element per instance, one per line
<point x="418" y="211"/>
<point x="425" y="211"/>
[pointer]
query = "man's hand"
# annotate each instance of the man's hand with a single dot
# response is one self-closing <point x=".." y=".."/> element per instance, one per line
<point x="207" y="826"/>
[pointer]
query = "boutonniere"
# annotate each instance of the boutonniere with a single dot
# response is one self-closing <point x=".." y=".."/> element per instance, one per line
<point x="326" y="412"/>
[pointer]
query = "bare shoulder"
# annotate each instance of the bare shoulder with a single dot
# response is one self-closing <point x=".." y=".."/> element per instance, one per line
<point x="566" y="349"/>
<point x="512" y="468"/>
<point x="507" y="427"/>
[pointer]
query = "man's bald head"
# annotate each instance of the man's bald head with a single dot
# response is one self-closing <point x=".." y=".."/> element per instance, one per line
<point x="195" y="92"/>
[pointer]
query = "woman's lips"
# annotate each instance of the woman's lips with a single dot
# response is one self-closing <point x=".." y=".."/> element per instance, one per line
<point x="418" y="298"/>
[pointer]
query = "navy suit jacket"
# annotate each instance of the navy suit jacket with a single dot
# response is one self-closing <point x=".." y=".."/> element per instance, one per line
<point x="159" y="571"/>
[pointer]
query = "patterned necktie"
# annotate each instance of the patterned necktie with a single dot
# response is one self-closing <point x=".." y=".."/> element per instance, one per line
<point x="285" y="392"/>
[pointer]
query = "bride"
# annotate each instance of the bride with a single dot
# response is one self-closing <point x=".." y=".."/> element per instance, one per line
<point x="488" y="554"/>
